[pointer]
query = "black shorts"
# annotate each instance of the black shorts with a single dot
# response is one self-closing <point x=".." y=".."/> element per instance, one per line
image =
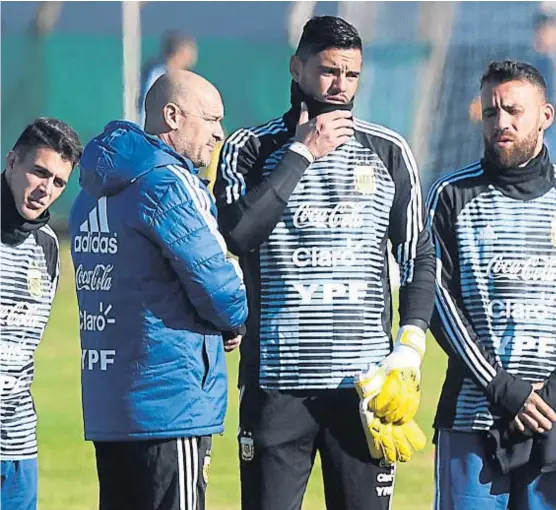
<point x="168" y="474"/>
<point x="280" y="434"/>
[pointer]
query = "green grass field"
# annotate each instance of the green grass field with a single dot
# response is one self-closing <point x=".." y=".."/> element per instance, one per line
<point x="66" y="462"/>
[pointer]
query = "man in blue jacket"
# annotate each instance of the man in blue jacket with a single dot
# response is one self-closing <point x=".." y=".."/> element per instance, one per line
<point x="155" y="292"/>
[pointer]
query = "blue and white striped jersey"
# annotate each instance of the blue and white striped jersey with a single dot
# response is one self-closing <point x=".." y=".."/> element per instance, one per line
<point x="495" y="238"/>
<point x="28" y="279"/>
<point x="314" y="250"/>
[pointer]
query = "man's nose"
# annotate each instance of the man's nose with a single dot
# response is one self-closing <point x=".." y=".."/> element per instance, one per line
<point x="219" y="133"/>
<point x="47" y="186"/>
<point x="341" y="82"/>
<point x="503" y="121"/>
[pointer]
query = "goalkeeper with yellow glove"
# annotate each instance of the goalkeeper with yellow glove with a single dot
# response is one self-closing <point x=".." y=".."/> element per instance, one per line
<point x="390" y="394"/>
<point x="310" y="203"/>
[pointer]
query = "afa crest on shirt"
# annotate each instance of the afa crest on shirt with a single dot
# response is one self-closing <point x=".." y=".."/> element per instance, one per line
<point x="365" y="180"/>
<point x="34" y="280"/>
<point x="553" y="231"/>
<point x="247" y="448"/>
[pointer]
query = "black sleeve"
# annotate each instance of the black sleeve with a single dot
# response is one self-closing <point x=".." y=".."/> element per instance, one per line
<point x="248" y="214"/>
<point x="548" y="391"/>
<point x="232" y="333"/>
<point x="48" y="241"/>
<point x="411" y="241"/>
<point x="450" y="324"/>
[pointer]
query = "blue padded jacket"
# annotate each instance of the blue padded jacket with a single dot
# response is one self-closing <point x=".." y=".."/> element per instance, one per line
<point x="155" y="290"/>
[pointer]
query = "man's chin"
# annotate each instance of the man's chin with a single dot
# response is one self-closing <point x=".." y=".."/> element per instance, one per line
<point x="29" y="213"/>
<point x="205" y="161"/>
<point x="500" y="157"/>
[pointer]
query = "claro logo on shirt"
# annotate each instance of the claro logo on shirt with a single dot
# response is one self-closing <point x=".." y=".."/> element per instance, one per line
<point x="96" y="236"/>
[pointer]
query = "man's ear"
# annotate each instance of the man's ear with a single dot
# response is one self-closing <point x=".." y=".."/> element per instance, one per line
<point x="11" y="161"/>
<point x="548" y="116"/>
<point x="170" y="113"/>
<point x="295" y="68"/>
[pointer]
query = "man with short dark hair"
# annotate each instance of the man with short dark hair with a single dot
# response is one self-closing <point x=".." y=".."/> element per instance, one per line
<point x="494" y="227"/>
<point x="37" y="171"/>
<point x="309" y="201"/>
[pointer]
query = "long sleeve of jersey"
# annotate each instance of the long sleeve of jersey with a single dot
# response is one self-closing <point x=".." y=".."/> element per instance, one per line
<point x="247" y="217"/>
<point x="450" y="323"/>
<point x="411" y="242"/>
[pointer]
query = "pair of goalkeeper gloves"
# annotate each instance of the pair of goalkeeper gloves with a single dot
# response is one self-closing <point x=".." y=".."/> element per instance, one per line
<point x="390" y="393"/>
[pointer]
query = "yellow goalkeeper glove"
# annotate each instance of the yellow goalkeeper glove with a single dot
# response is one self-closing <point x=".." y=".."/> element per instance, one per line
<point x="393" y="443"/>
<point x="370" y="382"/>
<point x="398" y="400"/>
<point x="395" y="384"/>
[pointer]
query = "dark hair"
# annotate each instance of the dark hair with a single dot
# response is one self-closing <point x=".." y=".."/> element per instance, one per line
<point x="323" y="32"/>
<point x="509" y="70"/>
<point x="52" y="134"/>
<point x="174" y="41"/>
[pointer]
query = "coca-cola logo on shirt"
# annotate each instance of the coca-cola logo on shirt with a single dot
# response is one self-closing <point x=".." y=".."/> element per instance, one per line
<point x="342" y="215"/>
<point x="537" y="268"/>
<point x="96" y="279"/>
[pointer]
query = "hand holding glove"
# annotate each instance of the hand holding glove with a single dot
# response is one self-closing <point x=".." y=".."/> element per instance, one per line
<point x="393" y="387"/>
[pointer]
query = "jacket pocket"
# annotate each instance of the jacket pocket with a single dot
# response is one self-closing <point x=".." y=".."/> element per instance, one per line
<point x="208" y="363"/>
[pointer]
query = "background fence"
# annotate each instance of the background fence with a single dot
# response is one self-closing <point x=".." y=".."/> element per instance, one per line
<point x="409" y="84"/>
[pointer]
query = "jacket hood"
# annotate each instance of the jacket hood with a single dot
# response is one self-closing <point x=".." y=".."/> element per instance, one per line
<point x="121" y="154"/>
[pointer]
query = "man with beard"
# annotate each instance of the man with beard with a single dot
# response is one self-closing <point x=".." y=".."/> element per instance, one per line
<point x="494" y="227"/>
<point x="309" y="201"/>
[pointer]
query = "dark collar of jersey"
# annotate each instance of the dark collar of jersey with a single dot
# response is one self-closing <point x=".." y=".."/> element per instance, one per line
<point x="314" y="106"/>
<point x="15" y="228"/>
<point x="523" y="183"/>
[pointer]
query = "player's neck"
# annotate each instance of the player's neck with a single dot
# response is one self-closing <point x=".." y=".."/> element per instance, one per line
<point x="314" y="106"/>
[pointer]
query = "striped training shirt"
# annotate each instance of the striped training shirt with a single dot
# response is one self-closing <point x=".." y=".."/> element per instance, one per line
<point x="28" y="280"/>
<point x="495" y="287"/>
<point x="320" y="301"/>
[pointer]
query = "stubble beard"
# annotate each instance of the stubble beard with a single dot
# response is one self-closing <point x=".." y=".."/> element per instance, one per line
<point x="517" y="154"/>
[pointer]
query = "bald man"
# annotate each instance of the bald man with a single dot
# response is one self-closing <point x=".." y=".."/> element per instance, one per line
<point x="185" y="110"/>
<point x="157" y="295"/>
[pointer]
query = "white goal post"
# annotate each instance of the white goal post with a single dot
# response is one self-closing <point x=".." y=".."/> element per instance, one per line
<point x="131" y="39"/>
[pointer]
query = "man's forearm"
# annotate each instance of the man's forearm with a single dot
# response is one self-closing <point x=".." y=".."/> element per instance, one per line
<point x="249" y="221"/>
